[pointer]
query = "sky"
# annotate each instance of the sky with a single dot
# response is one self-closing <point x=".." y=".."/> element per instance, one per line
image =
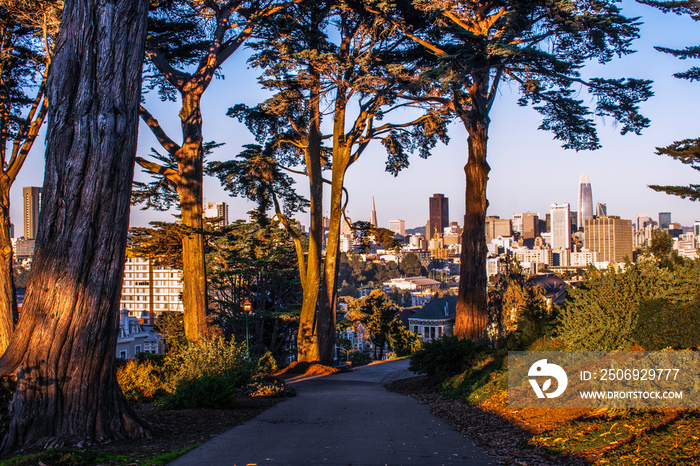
<point x="529" y="170"/>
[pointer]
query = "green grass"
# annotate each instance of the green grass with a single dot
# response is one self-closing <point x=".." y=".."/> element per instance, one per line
<point x="76" y="457"/>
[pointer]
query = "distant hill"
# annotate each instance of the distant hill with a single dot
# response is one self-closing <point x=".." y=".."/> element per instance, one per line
<point x="413" y="231"/>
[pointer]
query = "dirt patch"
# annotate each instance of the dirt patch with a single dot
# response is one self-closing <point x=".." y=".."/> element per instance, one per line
<point x="173" y="430"/>
<point x="304" y="369"/>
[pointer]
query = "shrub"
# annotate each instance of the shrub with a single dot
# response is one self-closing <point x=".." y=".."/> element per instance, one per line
<point x="141" y="381"/>
<point x="214" y="357"/>
<point x="206" y="391"/>
<point x="663" y="324"/>
<point x="267" y="386"/>
<point x="267" y="363"/>
<point x="444" y="357"/>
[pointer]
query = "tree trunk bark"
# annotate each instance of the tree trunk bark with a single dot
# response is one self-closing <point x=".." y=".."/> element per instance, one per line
<point x="327" y="308"/>
<point x="190" y="159"/>
<point x="62" y="352"/>
<point x="307" y="342"/>
<point x="472" y="312"/>
<point x="8" y="296"/>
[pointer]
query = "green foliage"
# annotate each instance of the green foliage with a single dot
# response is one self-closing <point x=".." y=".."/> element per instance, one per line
<point x="206" y="391"/>
<point x="444" y="357"/>
<point x="663" y="324"/>
<point x="411" y="265"/>
<point x="141" y="381"/>
<point x="267" y="363"/>
<point x="215" y="357"/>
<point x="380" y="317"/>
<point x="603" y="314"/>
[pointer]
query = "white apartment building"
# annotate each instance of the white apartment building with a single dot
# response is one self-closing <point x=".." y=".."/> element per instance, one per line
<point x="149" y="290"/>
<point x="398" y="227"/>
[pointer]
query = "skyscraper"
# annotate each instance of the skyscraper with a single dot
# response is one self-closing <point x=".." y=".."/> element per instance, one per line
<point x="609" y="236"/>
<point x="585" y="200"/>
<point x="664" y="220"/>
<point x="640" y="221"/>
<point x="398" y="227"/>
<point x="32" y="205"/>
<point x="373" y="215"/>
<point x="561" y="226"/>
<point x="531" y="226"/>
<point x="439" y="215"/>
<point x="601" y="210"/>
<point x="217" y="209"/>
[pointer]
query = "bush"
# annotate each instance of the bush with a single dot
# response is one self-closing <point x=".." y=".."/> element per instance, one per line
<point x="214" y="357"/>
<point x="267" y="386"/>
<point x="141" y="381"/>
<point x="444" y="357"/>
<point x="662" y="324"/>
<point x="267" y="363"/>
<point x="206" y="391"/>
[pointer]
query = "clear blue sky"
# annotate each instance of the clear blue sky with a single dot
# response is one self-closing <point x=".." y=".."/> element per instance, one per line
<point x="529" y="170"/>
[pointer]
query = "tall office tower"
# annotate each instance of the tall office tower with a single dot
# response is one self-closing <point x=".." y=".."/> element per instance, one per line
<point x="664" y="220"/>
<point x="696" y="228"/>
<point x="610" y="236"/>
<point x="217" y="210"/>
<point x="640" y="221"/>
<point x="601" y="210"/>
<point x="517" y="223"/>
<point x="373" y="215"/>
<point x="12" y="230"/>
<point x="531" y="226"/>
<point x="32" y="206"/>
<point x="561" y="226"/>
<point x="585" y="200"/>
<point x="573" y="216"/>
<point x="439" y="215"/>
<point x="496" y="227"/>
<point x="398" y="227"/>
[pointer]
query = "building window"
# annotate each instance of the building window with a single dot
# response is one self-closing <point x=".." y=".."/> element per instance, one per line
<point x="415" y="329"/>
<point x="439" y="332"/>
<point x="122" y="354"/>
<point x="426" y="332"/>
<point x="137" y="350"/>
<point x="432" y="333"/>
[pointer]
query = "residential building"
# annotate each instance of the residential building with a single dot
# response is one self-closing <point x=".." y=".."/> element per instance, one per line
<point x="217" y="210"/>
<point x="439" y="218"/>
<point x="31" y="196"/>
<point x="435" y="319"/>
<point x="538" y="255"/>
<point x="664" y="220"/>
<point x="135" y="338"/>
<point x="411" y="284"/>
<point x="585" y="200"/>
<point x="610" y="236"/>
<point x="561" y="226"/>
<point x="398" y="227"/>
<point x="149" y="290"/>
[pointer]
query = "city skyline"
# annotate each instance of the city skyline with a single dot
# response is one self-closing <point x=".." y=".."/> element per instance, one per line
<point x="530" y="170"/>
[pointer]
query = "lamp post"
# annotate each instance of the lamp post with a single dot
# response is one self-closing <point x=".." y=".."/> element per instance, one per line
<point x="247" y="308"/>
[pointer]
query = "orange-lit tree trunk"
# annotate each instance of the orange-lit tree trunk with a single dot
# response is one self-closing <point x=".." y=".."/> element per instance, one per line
<point x="8" y="298"/>
<point x="63" y="350"/>
<point x="307" y="341"/>
<point x="472" y="312"/>
<point x="17" y="135"/>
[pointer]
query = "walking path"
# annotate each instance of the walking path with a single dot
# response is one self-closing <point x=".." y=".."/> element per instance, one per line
<point x="342" y="419"/>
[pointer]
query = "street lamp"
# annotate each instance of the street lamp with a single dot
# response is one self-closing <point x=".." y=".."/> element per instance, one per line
<point x="247" y="308"/>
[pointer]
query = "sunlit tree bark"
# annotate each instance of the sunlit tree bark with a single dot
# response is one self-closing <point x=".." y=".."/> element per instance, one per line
<point x="61" y="356"/>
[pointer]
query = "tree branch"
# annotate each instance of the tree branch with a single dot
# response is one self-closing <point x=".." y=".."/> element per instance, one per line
<point x="170" y="174"/>
<point x="164" y="140"/>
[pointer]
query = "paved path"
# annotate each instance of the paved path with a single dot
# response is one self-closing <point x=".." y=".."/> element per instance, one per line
<point x="342" y="419"/>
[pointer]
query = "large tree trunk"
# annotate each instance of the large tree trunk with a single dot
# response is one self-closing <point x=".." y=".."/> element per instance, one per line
<point x="62" y="352"/>
<point x="8" y="298"/>
<point x="190" y="159"/>
<point x="327" y="308"/>
<point x="472" y="312"/>
<point x="307" y="342"/>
